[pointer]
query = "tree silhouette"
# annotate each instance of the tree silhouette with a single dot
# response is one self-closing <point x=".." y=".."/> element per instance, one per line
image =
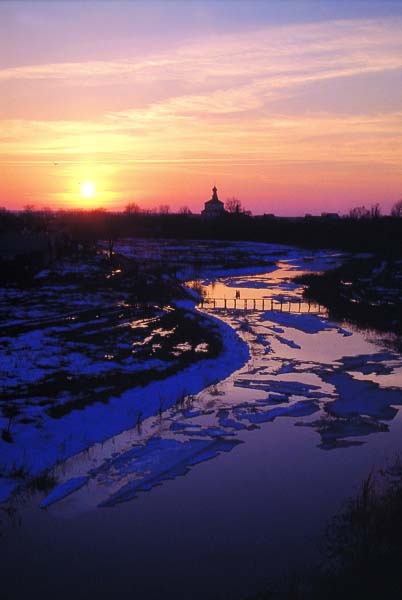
<point x="361" y="212"/>
<point x="233" y="205"/>
<point x="132" y="208"/>
<point x="184" y="210"/>
<point x="375" y="211"/>
<point x="396" y="210"/>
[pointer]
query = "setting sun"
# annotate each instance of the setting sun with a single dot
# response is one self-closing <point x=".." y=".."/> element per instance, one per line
<point x="87" y="189"/>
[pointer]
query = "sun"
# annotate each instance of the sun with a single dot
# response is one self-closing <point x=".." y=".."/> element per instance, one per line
<point x="87" y="189"/>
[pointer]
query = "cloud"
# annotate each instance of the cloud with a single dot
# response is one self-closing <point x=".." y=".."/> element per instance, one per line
<point x="119" y="139"/>
<point x="216" y="77"/>
<point x="335" y="48"/>
<point x="217" y="101"/>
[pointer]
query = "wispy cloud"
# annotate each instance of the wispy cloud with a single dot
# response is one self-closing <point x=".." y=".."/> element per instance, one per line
<point x="337" y="47"/>
<point x="211" y="102"/>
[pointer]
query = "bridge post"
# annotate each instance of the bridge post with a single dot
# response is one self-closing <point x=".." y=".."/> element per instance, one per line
<point x="254" y="303"/>
<point x="272" y="304"/>
<point x="224" y="301"/>
<point x="214" y="302"/>
<point x="299" y="305"/>
<point x="235" y="303"/>
<point x="309" y="305"/>
<point x="289" y="305"/>
<point x="263" y="302"/>
<point x="245" y="304"/>
<point x="281" y="304"/>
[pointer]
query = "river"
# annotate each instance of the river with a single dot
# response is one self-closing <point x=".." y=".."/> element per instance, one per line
<point x="233" y="486"/>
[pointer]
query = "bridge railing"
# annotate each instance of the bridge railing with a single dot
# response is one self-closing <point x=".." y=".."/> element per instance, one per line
<point x="262" y="304"/>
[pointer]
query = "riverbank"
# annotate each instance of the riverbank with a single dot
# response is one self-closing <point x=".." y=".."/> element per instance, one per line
<point x="93" y="347"/>
<point x="365" y="290"/>
<point x="269" y="453"/>
<point x="362" y="548"/>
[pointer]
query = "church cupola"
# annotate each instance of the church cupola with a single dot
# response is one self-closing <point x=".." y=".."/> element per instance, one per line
<point x="214" y="207"/>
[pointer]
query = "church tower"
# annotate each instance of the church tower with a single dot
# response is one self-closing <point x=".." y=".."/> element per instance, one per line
<point x="214" y="207"/>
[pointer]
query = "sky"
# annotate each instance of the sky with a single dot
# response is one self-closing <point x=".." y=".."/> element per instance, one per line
<point x="292" y="107"/>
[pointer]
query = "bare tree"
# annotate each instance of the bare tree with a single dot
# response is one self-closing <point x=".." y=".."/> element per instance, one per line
<point x="359" y="212"/>
<point x="375" y="211"/>
<point x="396" y="210"/>
<point x="184" y="210"/>
<point x="29" y="216"/>
<point x="233" y="205"/>
<point x="132" y="208"/>
<point x="164" y="209"/>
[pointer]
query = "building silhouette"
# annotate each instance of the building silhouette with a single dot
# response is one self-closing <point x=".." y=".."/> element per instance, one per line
<point x="214" y="207"/>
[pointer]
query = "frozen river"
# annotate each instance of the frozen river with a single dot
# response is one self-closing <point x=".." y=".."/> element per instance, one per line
<point x="232" y="486"/>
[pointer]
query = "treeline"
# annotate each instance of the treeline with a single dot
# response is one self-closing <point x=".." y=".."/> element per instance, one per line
<point x="379" y="234"/>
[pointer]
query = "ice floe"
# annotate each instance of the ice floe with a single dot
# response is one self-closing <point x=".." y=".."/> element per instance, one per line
<point x="272" y="366"/>
<point x="159" y="459"/>
<point x="63" y="490"/>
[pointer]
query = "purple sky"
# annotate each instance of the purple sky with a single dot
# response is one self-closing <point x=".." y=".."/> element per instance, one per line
<point x="293" y="107"/>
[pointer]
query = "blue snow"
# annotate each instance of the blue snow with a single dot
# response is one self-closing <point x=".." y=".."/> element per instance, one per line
<point x="63" y="490"/>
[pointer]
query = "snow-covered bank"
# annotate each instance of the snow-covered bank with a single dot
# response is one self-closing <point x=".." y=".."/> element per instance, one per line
<point x="283" y="379"/>
<point x="300" y="365"/>
<point x="39" y="449"/>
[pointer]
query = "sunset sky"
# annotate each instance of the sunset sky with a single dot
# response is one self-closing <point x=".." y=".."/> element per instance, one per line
<point x="292" y="107"/>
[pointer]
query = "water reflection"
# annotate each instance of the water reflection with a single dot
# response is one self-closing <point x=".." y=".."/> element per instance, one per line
<point x="271" y="290"/>
<point x="324" y="376"/>
<point x="269" y="453"/>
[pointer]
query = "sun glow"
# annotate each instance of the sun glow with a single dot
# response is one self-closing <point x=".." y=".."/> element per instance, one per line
<point x="286" y="114"/>
<point x="87" y="189"/>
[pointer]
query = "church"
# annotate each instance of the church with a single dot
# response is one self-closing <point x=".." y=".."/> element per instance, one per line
<point x="214" y="207"/>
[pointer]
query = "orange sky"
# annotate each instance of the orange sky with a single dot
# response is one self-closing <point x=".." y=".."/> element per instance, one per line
<point x="290" y="117"/>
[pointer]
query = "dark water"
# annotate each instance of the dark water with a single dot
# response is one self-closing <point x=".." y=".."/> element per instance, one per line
<point x="220" y="531"/>
<point x="233" y="522"/>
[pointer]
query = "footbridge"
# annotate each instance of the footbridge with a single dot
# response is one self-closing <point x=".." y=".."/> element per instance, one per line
<point x="299" y="306"/>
